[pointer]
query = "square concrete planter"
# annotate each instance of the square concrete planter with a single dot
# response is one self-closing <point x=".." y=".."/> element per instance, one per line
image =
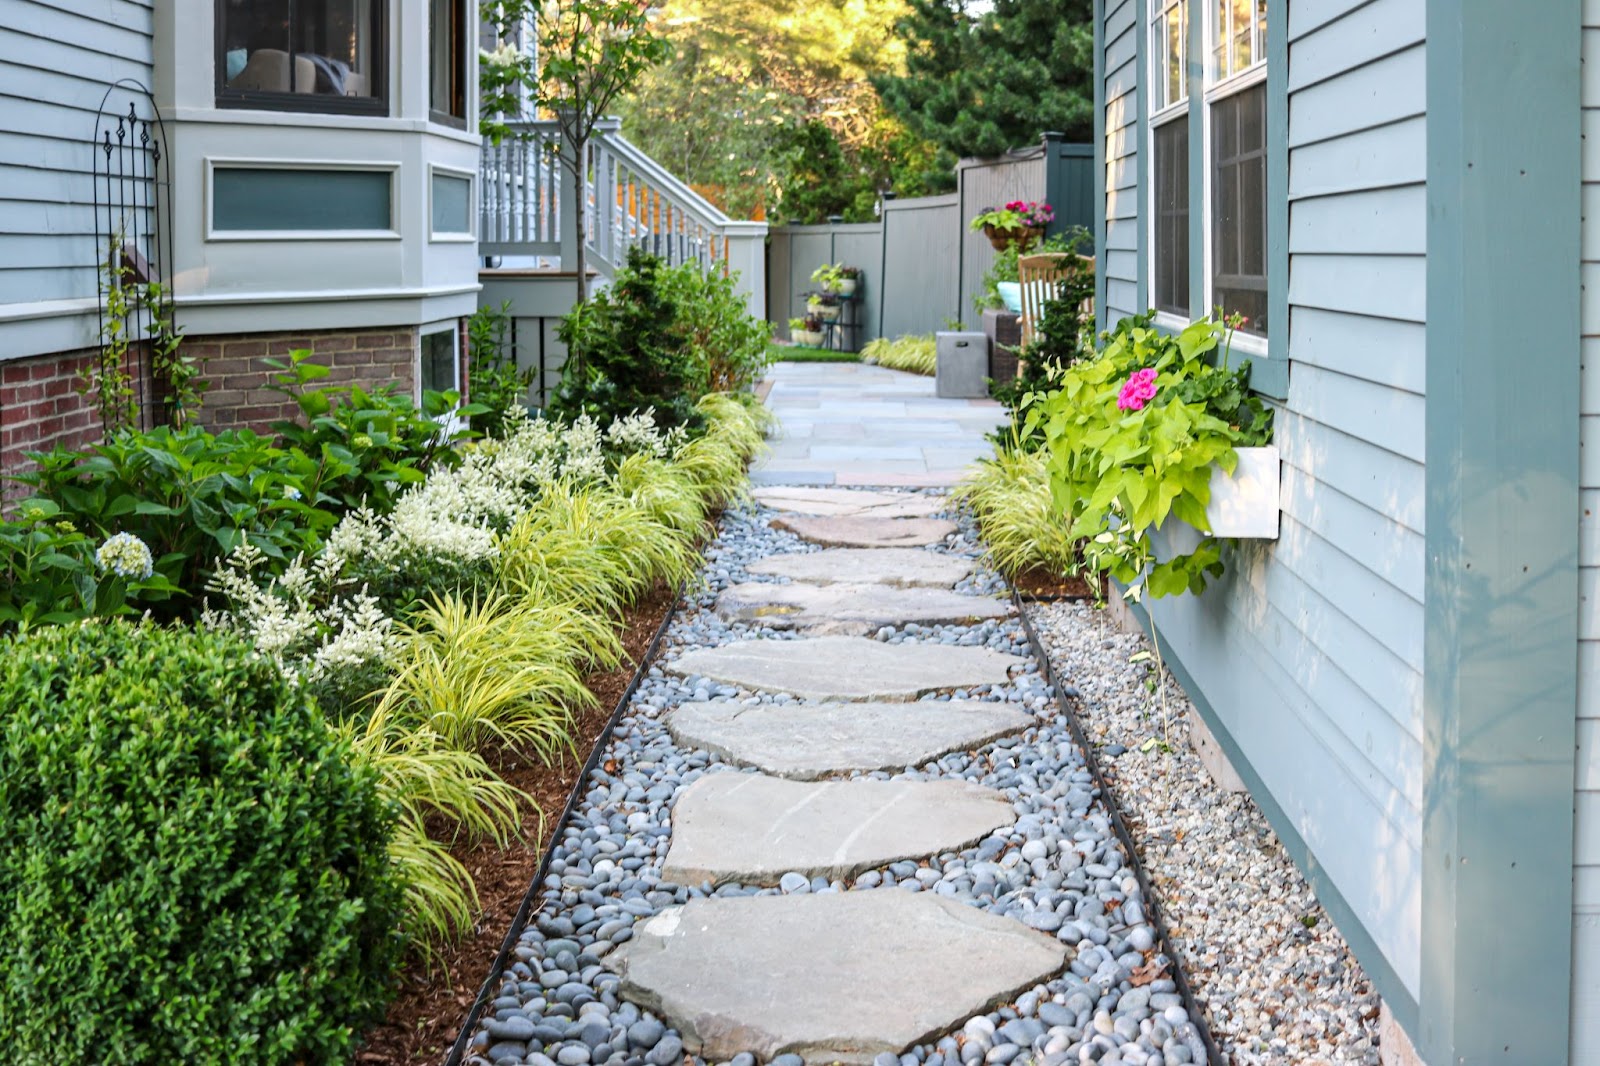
<point x="1247" y="504"/>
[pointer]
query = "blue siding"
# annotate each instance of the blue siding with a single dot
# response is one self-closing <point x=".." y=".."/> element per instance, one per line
<point x="1310" y="652"/>
<point x="1123" y="24"/>
<point x="1586" y="839"/>
<point x="57" y="59"/>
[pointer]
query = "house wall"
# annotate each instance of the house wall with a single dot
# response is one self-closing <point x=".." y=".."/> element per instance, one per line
<point x="58" y="57"/>
<point x="1586" y="802"/>
<point x="1306" y="658"/>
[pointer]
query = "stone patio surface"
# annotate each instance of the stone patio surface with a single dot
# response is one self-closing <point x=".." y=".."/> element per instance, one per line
<point x="849" y="424"/>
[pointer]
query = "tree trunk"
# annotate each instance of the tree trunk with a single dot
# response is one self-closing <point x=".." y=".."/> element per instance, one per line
<point x="580" y="199"/>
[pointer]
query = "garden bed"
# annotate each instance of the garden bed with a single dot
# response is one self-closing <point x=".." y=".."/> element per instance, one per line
<point x="425" y="1018"/>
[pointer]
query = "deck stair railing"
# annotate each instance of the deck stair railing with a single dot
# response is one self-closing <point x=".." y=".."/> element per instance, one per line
<point x="527" y="207"/>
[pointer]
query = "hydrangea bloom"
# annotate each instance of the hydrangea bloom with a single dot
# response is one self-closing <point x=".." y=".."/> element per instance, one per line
<point x="1138" y="390"/>
<point x="126" y="555"/>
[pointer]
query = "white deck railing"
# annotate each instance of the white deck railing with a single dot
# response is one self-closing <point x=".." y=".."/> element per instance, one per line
<point x="630" y="199"/>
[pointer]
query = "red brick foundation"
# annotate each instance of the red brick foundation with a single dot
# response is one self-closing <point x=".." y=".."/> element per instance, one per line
<point x="239" y="396"/>
<point x="41" y="406"/>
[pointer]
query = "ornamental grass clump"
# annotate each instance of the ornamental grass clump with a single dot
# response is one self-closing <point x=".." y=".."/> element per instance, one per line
<point x="193" y="866"/>
<point x="915" y="354"/>
<point x="1010" y="496"/>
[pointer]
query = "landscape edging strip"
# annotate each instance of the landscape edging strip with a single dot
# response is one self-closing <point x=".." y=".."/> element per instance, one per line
<point x="1108" y="797"/>
<point x="458" y="1050"/>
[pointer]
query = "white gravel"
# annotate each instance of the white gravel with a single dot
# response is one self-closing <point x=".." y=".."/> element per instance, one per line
<point x="1276" y="979"/>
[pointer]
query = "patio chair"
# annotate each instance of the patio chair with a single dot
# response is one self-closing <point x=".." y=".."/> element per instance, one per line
<point x="1039" y="275"/>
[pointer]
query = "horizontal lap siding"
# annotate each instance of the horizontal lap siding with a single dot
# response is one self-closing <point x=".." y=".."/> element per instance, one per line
<point x="1586" y="840"/>
<point x="59" y="59"/>
<point x="1310" y="652"/>
<point x="1122" y="27"/>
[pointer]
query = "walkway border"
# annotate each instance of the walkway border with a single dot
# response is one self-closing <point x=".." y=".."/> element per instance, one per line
<point x="1152" y="902"/>
<point x="458" y="1050"/>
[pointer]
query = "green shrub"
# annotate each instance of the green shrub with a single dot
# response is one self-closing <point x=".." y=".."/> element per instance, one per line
<point x="626" y="350"/>
<point x="191" y="869"/>
<point x="50" y="573"/>
<point x="368" y="445"/>
<point x="727" y="344"/>
<point x="494" y="382"/>
<point x="1063" y="337"/>
<point x="191" y="497"/>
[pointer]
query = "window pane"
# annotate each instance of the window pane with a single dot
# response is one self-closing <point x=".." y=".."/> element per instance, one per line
<point x="316" y="47"/>
<point x="446" y="61"/>
<point x="1241" y="24"/>
<point x="1219" y="41"/>
<point x="1239" y="209"/>
<point x="1172" y="216"/>
<point x="439" y="361"/>
<point x="1175" y="78"/>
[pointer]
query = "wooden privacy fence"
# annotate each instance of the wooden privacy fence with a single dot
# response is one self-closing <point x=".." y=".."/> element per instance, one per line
<point x="922" y="268"/>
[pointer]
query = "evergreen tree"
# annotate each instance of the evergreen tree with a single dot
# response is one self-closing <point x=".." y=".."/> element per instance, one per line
<point x="978" y="85"/>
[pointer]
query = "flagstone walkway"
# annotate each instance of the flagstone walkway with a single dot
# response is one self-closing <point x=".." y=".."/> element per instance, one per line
<point x="842" y="821"/>
<point x="852" y="424"/>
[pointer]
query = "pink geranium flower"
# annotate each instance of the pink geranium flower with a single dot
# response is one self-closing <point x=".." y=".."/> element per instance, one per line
<point x="1138" y="390"/>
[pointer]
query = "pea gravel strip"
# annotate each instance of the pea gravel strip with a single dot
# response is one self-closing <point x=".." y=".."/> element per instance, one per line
<point x="1276" y="980"/>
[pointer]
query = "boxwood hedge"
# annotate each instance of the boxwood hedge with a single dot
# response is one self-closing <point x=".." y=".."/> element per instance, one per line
<point x="191" y="869"/>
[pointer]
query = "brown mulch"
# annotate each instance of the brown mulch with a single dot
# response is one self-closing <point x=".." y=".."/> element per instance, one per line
<point x="1042" y="584"/>
<point x="426" y="1015"/>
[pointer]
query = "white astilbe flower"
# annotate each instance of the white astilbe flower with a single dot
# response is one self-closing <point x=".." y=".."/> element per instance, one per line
<point x="287" y="622"/>
<point x="638" y="433"/>
<point x="586" y="457"/>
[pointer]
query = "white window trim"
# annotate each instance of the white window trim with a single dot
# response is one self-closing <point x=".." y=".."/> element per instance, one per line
<point x="454" y="236"/>
<point x="1177" y="112"/>
<point x="451" y="422"/>
<point x="1252" y="75"/>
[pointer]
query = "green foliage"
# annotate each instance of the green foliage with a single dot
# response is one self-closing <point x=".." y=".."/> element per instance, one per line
<point x="1120" y="468"/>
<point x="193" y="870"/>
<point x="1010" y="496"/>
<point x="494" y="382"/>
<point x="724" y="342"/>
<point x="978" y="85"/>
<point x="191" y="496"/>
<point x="632" y="350"/>
<point x="915" y="353"/>
<point x="49" y="574"/>
<point x="368" y="446"/>
<point x="1063" y="337"/>
<point x="1004" y="266"/>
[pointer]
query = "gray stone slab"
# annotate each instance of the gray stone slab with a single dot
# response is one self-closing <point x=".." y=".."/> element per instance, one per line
<point x="840" y="977"/>
<point x="847" y="668"/>
<point x="883" y="566"/>
<point x="752" y="829"/>
<point x="809" y="741"/>
<point x="844" y="502"/>
<point x="856" y="608"/>
<point x="855" y="531"/>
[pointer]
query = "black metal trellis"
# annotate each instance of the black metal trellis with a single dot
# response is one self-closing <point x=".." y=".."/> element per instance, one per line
<point x="133" y="232"/>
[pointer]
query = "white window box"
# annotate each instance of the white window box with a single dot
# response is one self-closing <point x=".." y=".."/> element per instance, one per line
<point x="1247" y="504"/>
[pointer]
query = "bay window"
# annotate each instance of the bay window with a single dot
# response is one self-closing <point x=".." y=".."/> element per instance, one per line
<point x="301" y="55"/>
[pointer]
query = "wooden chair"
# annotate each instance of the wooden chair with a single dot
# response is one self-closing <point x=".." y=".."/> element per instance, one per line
<point x="1039" y="275"/>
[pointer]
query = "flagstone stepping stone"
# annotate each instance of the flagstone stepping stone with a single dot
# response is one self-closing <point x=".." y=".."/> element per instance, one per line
<point x="860" y="606"/>
<point x="837" y="977"/>
<point x="810" y="741"/>
<point x="867" y="532"/>
<point x="883" y="566"/>
<point x="752" y="829"/>
<point x="847" y="668"/>
<point x="845" y="502"/>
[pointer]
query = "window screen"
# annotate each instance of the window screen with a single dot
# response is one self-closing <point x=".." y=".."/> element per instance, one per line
<point x="1172" y="216"/>
<point x="1239" y="205"/>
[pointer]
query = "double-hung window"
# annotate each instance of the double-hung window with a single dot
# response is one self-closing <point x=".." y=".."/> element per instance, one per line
<point x="1236" y="127"/>
<point x="448" y="92"/>
<point x="302" y="55"/>
<point x="1169" y="122"/>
